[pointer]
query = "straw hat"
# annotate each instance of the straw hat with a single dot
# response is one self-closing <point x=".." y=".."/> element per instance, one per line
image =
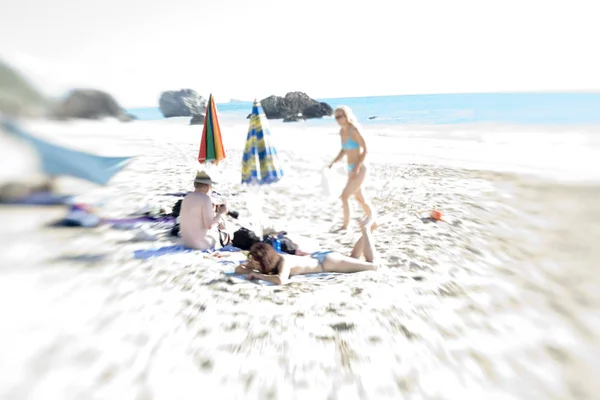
<point x="203" y="177"/>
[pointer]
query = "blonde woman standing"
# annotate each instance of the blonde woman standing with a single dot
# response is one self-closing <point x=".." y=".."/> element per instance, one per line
<point x="355" y="150"/>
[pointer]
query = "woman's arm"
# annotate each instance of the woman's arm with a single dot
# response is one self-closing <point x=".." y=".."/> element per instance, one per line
<point x="338" y="157"/>
<point x="246" y="267"/>
<point x="276" y="279"/>
<point x="363" y="145"/>
<point x="210" y="217"/>
<point x="280" y="279"/>
<point x="242" y="270"/>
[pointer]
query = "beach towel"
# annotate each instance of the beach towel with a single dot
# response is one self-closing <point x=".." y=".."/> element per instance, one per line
<point x="183" y="194"/>
<point x="40" y="199"/>
<point x="82" y="218"/>
<point x="135" y="220"/>
<point x="78" y="218"/>
<point x="175" y="249"/>
<point x="232" y="277"/>
<point x="177" y="194"/>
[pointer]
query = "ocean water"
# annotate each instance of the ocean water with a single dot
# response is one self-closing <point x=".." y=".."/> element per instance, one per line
<point x="505" y="108"/>
<point x="554" y="135"/>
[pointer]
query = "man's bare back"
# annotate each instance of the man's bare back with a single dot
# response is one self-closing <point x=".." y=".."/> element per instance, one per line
<point x="197" y="219"/>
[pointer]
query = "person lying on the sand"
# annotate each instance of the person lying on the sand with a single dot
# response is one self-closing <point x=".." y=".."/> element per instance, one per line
<point x="18" y="190"/>
<point x="198" y="218"/>
<point x="265" y="263"/>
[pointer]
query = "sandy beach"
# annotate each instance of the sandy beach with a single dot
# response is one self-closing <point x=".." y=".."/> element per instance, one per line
<point x="499" y="301"/>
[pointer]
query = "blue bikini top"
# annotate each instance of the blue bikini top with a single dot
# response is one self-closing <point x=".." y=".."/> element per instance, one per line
<point x="350" y="144"/>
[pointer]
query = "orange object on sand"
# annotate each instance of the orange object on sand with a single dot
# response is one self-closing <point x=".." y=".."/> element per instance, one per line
<point x="436" y="215"/>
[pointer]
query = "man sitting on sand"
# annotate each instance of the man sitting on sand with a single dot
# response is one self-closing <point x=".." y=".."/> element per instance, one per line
<point x="198" y="217"/>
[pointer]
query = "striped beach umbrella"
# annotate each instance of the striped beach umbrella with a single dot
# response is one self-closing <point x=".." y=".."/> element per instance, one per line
<point x="211" y="144"/>
<point x="260" y="163"/>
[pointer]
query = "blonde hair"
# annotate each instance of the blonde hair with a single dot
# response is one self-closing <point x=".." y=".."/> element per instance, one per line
<point x="350" y="117"/>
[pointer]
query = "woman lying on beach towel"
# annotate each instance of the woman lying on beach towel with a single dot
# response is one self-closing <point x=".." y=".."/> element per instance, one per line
<point x="267" y="264"/>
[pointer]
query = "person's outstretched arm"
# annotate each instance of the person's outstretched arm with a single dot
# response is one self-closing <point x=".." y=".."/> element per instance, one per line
<point x="280" y="279"/>
<point x="246" y="267"/>
<point x="242" y="270"/>
<point x="210" y="217"/>
<point x="338" y="157"/>
<point x="363" y="145"/>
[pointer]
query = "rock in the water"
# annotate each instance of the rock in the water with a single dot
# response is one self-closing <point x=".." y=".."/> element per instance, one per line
<point x="294" y="118"/>
<point x="181" y="103"/>
<point x="318" y="110"/>
<point x="197" y="119"/>
<point x="275" y="107"/>
<point x="294" y="103"/>
<point x="90" y="104"/>
<point x="299" y="101"/>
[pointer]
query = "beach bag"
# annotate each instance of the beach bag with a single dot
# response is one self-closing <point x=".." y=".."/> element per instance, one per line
<point x="332" y="183"/>
<point x="176" y="208"/>
<point x="244" y="238"/>
<point x="79" y="217"/>
<point x="286" y="245"/>
<point x="224" y="238"/>
<point x="326" y="189"/>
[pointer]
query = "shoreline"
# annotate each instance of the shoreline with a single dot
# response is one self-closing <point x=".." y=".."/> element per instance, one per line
<point x="562" y="153"/>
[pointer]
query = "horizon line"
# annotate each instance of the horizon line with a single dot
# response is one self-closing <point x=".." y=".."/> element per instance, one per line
<point x="574" y="91"/>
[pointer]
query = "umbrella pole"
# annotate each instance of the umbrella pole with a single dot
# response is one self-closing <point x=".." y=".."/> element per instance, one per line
<point x="209" y="168"/>
<point x="256" y="210"/>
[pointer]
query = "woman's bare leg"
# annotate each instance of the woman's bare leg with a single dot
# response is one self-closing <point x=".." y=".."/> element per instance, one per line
<point x="339" y="263"/>
<point x="359" y="246"/>
<point x="335" y="262"/>
<point x="366" y="206"/>
<point x="368" y="249"/>
<point x="346" y="211"/>
<point x="352" y="186"/>
<point x="357" y="250"/>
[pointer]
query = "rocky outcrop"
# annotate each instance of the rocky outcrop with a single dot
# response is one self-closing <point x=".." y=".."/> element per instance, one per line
<point x="181" y="103"/>
<point x="294" y="103"/>
<point x="17" y="96"/>
<point x="197" y="119"/>
<point x="318" y="110"/>
<point x="89" y="104"/>
<point x="275" y="107"/>
<point x="294" y="118"/>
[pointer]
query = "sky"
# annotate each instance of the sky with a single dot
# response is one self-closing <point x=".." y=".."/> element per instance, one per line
<point x="243" y="49"/>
